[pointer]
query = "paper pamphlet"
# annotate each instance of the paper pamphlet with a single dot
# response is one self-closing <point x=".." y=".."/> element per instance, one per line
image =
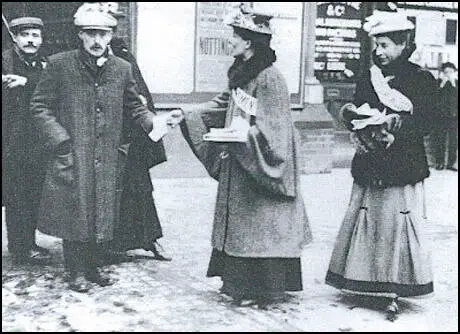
<point x="160" y="127"/>
<point x="237" y="132"/>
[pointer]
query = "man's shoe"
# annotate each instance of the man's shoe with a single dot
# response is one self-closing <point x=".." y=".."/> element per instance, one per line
<point x="99" y="278"/>
<point x="455" y="169"/>
<point x="79" y="283"/>
<point x="31" y="257"/>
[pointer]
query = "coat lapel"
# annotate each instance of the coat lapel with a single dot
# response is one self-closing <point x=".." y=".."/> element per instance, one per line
<point x="105" y="72"/>
<point x="94" y="73"/>
<point x="85" y="67"/>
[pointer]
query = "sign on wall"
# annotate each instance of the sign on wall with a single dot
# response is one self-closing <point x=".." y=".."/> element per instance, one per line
<point x="287" y="39"/>
<point x="213" y="54"/>
<point x="337" y="46"/>
<point x="183" y="48"/>
<point x="428" y="5"/>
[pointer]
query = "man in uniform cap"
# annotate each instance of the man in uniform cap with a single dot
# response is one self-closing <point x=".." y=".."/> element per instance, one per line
<point x="23" y="166"/>
<point x="79" y="107"/>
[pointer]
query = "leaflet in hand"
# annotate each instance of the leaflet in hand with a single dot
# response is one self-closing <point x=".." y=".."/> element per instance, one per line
<point x="160" y="127"/>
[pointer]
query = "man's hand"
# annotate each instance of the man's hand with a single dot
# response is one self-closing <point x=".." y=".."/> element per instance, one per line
<point x="13" y="80"/>
<point x="175" y="117"/>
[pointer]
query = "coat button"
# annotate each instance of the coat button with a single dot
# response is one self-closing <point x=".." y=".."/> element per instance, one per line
<point x="98" y="109"/>
<point x="224" y="155"/>
<point x="96" y="85"/>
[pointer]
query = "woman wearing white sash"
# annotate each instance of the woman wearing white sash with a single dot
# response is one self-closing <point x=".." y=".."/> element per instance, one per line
<point x="380" y="249"/>
<point x="260" y="223"/>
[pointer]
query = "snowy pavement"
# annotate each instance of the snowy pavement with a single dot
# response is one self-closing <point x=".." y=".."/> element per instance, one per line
<point x="176" y="296"/>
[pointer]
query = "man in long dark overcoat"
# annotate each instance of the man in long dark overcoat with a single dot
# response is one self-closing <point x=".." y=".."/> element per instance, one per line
<point x="22" y="162"/>
<point x="446" y="134"/>
<point x="78" y="106"/>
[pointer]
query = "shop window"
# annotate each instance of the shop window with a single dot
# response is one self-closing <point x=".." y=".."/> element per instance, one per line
<point x="451" y="32"/>
<point x="338" y="41"/>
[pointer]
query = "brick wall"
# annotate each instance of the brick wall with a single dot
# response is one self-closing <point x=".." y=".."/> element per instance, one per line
<point x="123" y="29"/>
<point x="316" y="129"/>
<point x="316" y="150"/>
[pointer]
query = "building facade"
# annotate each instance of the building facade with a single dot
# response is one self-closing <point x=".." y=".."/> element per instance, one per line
<point x="182" y="50"/>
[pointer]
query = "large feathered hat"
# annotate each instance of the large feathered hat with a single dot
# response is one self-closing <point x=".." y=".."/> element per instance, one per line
<point x="246" y="18"/>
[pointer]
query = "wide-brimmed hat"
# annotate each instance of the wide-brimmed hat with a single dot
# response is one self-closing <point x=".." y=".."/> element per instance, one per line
<point x="382" y="22"/>
<point x="249" y="19"/>
<point x="94" y="16"/>
<point x="26" y="22"/>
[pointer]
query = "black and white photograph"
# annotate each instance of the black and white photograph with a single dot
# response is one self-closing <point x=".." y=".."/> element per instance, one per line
<point x="230" y="166"/>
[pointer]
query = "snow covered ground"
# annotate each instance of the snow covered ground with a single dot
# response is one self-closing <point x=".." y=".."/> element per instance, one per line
<point x="176" y="296"/>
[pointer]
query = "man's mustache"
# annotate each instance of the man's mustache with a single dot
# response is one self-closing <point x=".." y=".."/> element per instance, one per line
<point x="32" y="45"/>
<point x="96" y="47"/>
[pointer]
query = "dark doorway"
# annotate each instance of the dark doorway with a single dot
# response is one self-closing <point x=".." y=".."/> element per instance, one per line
<point x="59" y="31"/>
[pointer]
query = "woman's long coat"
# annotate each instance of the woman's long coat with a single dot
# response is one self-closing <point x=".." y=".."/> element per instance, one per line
<point x="139" y="225"/>
<point x="259" y="209"/>
<point x="76" y="101"/>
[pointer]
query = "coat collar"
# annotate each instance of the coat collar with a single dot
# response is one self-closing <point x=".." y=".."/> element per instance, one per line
<point x="34" y="61"/>
<point x="95" y="65"/>
<point x="10" y="56"/>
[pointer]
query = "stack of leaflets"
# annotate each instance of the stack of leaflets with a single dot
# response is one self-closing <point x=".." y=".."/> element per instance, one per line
<point x="238" y="130"/>
<point x="226" y="135"/>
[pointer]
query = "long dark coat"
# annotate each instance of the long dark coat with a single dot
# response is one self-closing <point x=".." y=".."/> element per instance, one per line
<point x="73" y="101"/>
<point x="139" y="225"/>
<point x="259" y="211"/>
<point x="20" y="149"/>
<point x="448" y="103"/>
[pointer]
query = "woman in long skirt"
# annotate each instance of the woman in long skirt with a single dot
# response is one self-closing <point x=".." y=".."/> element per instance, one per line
<point x="260" y="223"/>
<point x="380" y="249"/>
<point x="138" y="226"/>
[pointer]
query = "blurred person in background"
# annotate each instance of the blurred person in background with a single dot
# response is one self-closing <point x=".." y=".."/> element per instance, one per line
<point x="446" y="136"/>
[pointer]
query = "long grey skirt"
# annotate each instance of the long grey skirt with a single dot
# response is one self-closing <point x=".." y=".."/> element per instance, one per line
<point x="381" y="248"/>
